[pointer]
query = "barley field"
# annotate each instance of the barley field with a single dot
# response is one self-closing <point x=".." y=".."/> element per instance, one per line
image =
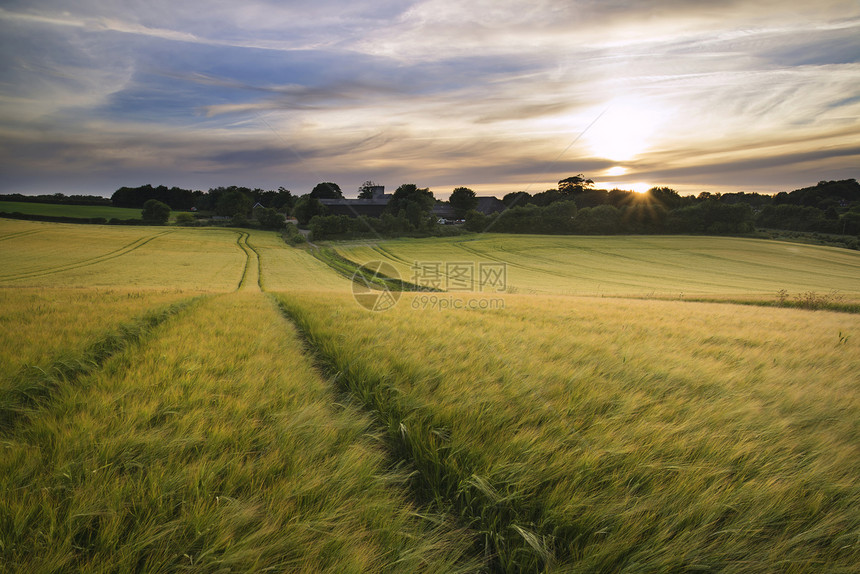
<point x="632" y="266"/>
<point x="603" y="435"/>
<point x="40" y="254"/>
<point x="217" y="453"/>
<point x="213" y="400"/>
<point x="37" y="324"/>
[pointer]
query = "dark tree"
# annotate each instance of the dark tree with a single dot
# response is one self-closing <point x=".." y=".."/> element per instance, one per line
<point x="603" y="219"/>
<point x="416" y="203"/>
<point x="233" y="203"/>
<point x="619" y="197"/>
<point x="665" y="196"/>
<point x="155" y="211"/>
<point x="574" y="184"/>
<point x="175" y="197"/>
<point x="270" y="218"/>
<point x="844" y="191"/>
<point x="326" y="190"/>
<point x="516" y="198"/>
<point x="365" y="191"/>
<point x="591" y="197"/>
<point x="463" y="200"/>
<point x="284" y="199"/>
<point x="307" y="207"/>
<point x="544" y="198"/>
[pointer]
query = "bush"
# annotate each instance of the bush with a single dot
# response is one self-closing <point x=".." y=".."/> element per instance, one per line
<point x="155" y="211"/>
<point x="54" y="218"/>
<point x="793" y="217"/>
<point x="270" y="218"/>
<point x="185" y="219"/>
<point x="711" y="217"/>
<point x="292" y="235"/>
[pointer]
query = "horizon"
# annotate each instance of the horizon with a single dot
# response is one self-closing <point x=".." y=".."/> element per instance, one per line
<point x="436" y="194"/>
<point x="718" y="97"/>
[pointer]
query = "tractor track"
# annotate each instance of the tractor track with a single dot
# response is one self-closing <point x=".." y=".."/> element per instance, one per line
<point x="20" y="234"/>
<point x="252" y="275"/>
<point x="126" y="249"/>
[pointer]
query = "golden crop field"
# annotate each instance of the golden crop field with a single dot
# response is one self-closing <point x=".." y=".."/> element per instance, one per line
<point x="216" y="453"/>
<point x="632" y="266"/>
<point x="181" y="399"/>
<point x="101" y="256"/>
<point x="287" y="268"/>
<point x="619" y="432"/>
<point x="37" y="324"/>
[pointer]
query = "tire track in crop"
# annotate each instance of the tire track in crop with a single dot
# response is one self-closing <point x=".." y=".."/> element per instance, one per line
<point x="33" y="388"/>
<point x="252" y="275"/>
<point x="20" y="234"/>
<point x="473" y="251"/>
<point x="392" y="256"/>
<point x="124" y="250"/>
<point x="443" y="476"/>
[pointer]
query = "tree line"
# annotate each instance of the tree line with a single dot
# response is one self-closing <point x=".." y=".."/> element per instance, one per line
<point x="575" y="206"/>
<point x="828" y="207"/>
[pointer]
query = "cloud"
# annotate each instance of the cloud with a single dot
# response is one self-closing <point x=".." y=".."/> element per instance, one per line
<point x="488" y="94"/>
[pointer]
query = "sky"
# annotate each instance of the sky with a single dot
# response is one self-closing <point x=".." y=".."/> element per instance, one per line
<point x="494" y="95"/>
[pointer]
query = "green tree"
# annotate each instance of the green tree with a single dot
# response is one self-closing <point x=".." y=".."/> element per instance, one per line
<point x="603" y="219"/>
<point x="270" y="218"/>
<point x="155" y="211"/>
<point x="307" y="207"/>
<point x="284" y="199"/>
<point x="416" y="203"/>
<point x="233" y="203"/>
<point x="463" y="200"/>
<point x="326" y="190"/>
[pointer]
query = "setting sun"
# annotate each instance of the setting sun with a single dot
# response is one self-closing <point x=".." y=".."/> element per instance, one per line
<point x="624" y="130"/>
<point x="640" y="187"/>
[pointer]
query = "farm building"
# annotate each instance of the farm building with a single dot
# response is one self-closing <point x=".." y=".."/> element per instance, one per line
<point x="373" y="207"/>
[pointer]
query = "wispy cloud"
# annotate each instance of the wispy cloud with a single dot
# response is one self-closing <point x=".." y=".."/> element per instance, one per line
<point x="493" y="94"/>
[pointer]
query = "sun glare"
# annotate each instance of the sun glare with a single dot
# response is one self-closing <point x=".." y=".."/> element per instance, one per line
<point x="639" y="187"/>
<point x="624" y="130"/>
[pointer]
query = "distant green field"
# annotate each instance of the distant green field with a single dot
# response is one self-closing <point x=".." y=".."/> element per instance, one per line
<point x="57" y="210"/>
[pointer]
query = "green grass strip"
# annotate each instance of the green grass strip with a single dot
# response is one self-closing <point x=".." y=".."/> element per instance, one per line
<point x="33" y="387"/>
<point x="352" y="271"/>
<point x="508" y="537"/>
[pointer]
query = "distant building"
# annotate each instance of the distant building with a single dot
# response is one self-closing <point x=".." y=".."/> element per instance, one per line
<point x="488" y="205"/>
<point x="443" y="210"/>
<point x="373" y="207"/>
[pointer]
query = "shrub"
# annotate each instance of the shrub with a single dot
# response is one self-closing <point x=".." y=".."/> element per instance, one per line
<point x="185" y="219"/>
<point x="155" y="211"/>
